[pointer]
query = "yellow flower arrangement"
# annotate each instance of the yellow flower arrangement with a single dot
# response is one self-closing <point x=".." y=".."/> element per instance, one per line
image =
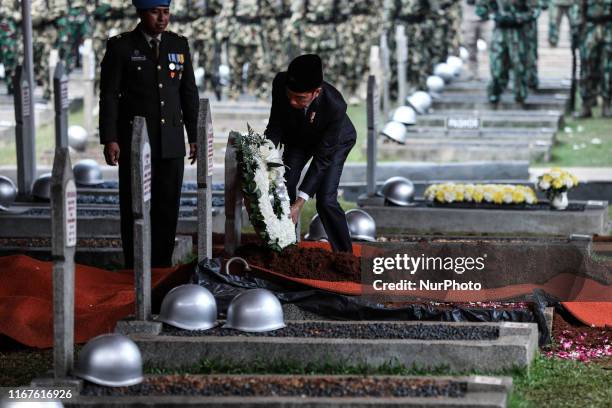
<point x="556" y="181"/>
<point x="478" y="193"/>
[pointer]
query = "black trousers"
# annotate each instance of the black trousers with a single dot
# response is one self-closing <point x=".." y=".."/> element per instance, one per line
<point x="166" y="183"/>
<point x="329" y="210"/>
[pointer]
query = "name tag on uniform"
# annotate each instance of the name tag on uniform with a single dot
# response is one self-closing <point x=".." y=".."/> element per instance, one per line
<point x="139" y="58"/>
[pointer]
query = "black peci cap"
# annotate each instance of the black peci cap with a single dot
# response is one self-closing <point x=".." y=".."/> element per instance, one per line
<point x="305" y="73"/>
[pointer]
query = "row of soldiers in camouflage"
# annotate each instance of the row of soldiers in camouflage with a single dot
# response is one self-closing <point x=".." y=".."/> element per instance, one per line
<point x="514" y="46"/>
<point x="56" y="24"/>
<point x="261" y="36"/>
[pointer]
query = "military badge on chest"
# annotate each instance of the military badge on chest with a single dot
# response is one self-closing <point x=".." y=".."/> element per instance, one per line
<point x="137" y="56"/>
<point x="175" y="65"/>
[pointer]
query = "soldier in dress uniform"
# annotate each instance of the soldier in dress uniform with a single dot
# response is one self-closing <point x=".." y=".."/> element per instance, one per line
<point x="308" y="116"/>
<point x="148" y="72"/>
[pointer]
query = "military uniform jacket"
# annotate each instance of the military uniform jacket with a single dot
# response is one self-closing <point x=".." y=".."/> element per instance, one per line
<point x="163" y="91"/>
<point x="320" y="131"/>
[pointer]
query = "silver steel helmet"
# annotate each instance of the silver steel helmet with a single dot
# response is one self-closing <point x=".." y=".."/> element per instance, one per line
<point x="316" y="232"/>
<point x="224" y="75"/>
<point x="113" y="360"/>
<point x="435" y="84"/>
<point x="77" y="137"/>
<point x="87" y="173"/>
<point x="405" y="115"/>
<point x="455" y="63"/>
<point x="41" y="189"/>
<point x="420" y="101"/>
<point x="395" y="131"/>
<point x="12" y="403"/>
<point x="255" y="310"/>
<point x="444" y="71"/>
<point x="362" y="226"/>
<point x="189" y="307"/>
<point x="398" y="190"/>
<point x="8" y="193"/>
<point x="199" y="74"/>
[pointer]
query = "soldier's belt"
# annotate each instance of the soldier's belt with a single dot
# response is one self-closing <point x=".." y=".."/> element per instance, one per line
<point x="411" y="19"/>
<point x="599" y="19"/>
<point x="248" y="20"/>
<point x="507" y="24"/>
<point x="327" y="22"/>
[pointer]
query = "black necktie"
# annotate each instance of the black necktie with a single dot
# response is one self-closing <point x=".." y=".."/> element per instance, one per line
<point x="155" y="47"/>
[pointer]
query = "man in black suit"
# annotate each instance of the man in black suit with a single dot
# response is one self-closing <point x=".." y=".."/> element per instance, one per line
<point x="308" y="117"/>
<point x="147" y="72"/>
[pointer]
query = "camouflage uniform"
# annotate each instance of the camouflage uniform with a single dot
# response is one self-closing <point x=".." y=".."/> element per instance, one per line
<point x="455" y="16"/>
<point x="45" y="38"/>
<point x="78" y="27"/>
<point x="240" y="25"/>
<point x="531" y="32"/>
<point x="108" y="21"/>
<point x="411" y="14"/>
<point x="10" y="40"/>
<point x="73" y="27"/>
<point x="275" y="21"/>
<point x="473" y="29"/>
<point x="439" y="29"/>
<point x="204" y="42"/>
<point x="357" y="35"/>
<point x="315" y="25"/>
<point x="595" y="18"/>
<point x="508" y="49"/>
<point x="557" y="10"/>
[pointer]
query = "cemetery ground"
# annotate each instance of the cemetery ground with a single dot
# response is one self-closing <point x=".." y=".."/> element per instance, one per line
<point x="550" y="382"/>
<point x="580" y="142"/>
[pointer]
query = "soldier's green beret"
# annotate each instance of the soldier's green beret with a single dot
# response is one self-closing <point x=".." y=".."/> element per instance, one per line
<point x="149" y="4"/>
<point x="305" y="73"/>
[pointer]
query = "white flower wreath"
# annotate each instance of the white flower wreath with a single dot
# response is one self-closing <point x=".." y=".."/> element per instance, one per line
<point x="263" y="187"/>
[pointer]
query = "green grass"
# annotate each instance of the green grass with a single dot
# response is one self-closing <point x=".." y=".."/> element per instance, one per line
<point x="548" y="383"/>
<point x="45" y="140"/>
<point x="357" y="114"/>
<point x="559" y="384"/>
<point x="575" y="147"/>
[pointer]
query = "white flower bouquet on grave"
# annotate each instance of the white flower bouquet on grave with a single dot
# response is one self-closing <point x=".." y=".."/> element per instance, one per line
<point x="556" y="181"/>
<point x="480" y="193"/>
<point x="263" y="187"/>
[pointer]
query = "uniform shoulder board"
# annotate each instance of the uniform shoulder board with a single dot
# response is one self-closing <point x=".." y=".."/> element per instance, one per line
<point x="175" y="34"/>
<point x="117" y="37"/>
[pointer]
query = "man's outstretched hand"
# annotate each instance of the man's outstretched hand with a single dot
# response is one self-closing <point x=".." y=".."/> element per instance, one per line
<point x="111" y="153"/>
<point x="296" y="208"/>
<point x="193" y="152"/>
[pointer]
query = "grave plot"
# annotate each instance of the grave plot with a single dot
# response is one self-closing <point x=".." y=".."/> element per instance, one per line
<point x="459" y="124"/>
<point x="299" y="391"/>
<point x="460" y="146"/>
<point x="495" y="119"/>
<point x="459" y="346"/>
<point x="28" y="224"/>
<point x="533" y="102"/>
<point x="545" y="87"/>
<point x="582" y="217"/>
